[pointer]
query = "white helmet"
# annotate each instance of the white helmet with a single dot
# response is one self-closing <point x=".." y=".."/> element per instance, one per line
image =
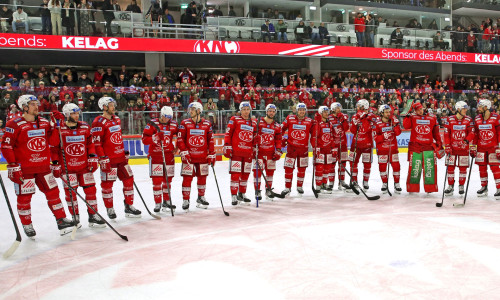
<point x="104" y="101"/>
<point x="245" y="104"/>
<point x="382" y="108"/>
<point x="363" y="103"/>
<point x="484" y="102"/>
<point x="323" y="108"/>
<point x="301" y="105"/>
<point x="196" y="105"/>
<point x="271" y="106"/>
<point x="167" y="112"/>
<point x="25" y="100"/>
<point x="70" y="108"/>
<point x="335" y="105"/>
<point x="461" y="105"/>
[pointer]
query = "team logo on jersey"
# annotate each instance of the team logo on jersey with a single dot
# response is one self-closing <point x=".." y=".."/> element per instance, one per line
<point x="298" y="134"/>
<point x="114" y="128"/>
<point x="196" y="140"/>
<point x="116" y="138"/>
<point x="9" y="130"/>
<point x="423" y="122"/>
<point x="34" y="133"/>
<point x="458" y="127"/>
<point x="246" y="136"/>
<point x="75" y="139"/>
<point x="421" y="129"/>
<point x="37" y="144"/>
<point x="326" y="130"/>
<point x="267" y="138"/>
<point x="486" y="135"/>
<point x="97" y="129"/>
<point x="75" y="149"/>
<point x="458" y="135"/>
<point x="483" y="127"/>
<point x="326" y="138"/>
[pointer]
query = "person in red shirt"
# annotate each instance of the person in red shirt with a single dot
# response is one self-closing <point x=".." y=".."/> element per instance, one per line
<point x="486" y="146"/>
<point x="340" y="126"/>
<point x="270" y="141"/>
<point x="237" y="94"/>
<point x="359" y="28"/>
<point x="249" y="80"/>
<point x="458" y="133"/>
<point x="322" y="141"/>
<point x="424" y="146"/>
<point x="80" y="160"/>
<point x="154" y="138"/>
<point x="25" y="147"/>
<point x="386" y="131"/>
<point x="253" y="98"/>
<point x="113" y="159"/>
<point x="239" y="142"/>
<point x="299" y="129"/>
<point x="196" y="145"/>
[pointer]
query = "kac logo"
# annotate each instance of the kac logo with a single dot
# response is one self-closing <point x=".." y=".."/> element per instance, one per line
<point x="421" y="129"/>
<point x="197" y="141"/>
<point x="298" y="134"/>
<point x="116" y="138"/>
<point x="216" y="46"/>
<point x="75" y="149"/>
<point x="246" y="136"/>
<point x="37" y="144"/>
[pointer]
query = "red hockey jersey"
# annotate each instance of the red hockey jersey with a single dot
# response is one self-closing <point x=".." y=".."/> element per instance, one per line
<point x="270" y="137"/>
<point x="385" y="135"/>
<point x="240" y="134"/>
<point x="169" y="131"/>
<point x="487" y="135"/>
<point x="365" y="134"/>
<point x="108" y="140"/>
<point x="197" y="138"/>
<point x="299" y="131"/>
<point x="424" y="130"/>
<point x="456" y="132"/>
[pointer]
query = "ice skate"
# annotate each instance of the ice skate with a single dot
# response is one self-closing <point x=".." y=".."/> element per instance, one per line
<point x="342" y="185"/>
<point x="64" y="225"/>
<point x="166" y="205"/>
<point x="201" y="202"/>
<point x="449" y="191"/>
<point x="111" y="213"/>
<point x="131" y="211"/>
<point x="96" y="221"/>
<point x="234" y="200"/>
<point x="483" y="192"/>
<point x="269" y="195"/>
<point x="365" y="186"/>
<point x="285" y="192"/>
<point x="461" y="190"/>
<point x="258" y="196"/>
<point x="157" y="207"/>
<point x="384" y="188"/>
<point x="325" y="189"/>
<point x="397" y="188"/>
<point x="242" y="198"/>
<point x="497" y="195"/>
<point x="185" y="205"/>
<point x="300" y="190"/>
<point x="30" y="231"/>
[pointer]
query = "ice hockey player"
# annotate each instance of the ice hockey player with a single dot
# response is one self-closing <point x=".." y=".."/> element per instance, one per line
<point x="269" y="137"/>
<point x="340" y="125"/>
<point x="487" y="140"/>
<point x="81" y="160"/>
<point x="113" y="159"/>
<point x="321" y="140"/>
<point x="196" y="145"/>
<point x="424" y="146"/>
<point x="25" y="147"/>
<point x="299" y="129"/>
<point x="154" y="138"/>
<point x="239" y="143"/>
<point x="387" y="129"/>
<point x="362" y="124"/>
<point x="458" y="135"/>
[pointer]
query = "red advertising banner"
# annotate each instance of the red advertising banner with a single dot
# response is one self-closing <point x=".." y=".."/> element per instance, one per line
<point x="33" y="41"/>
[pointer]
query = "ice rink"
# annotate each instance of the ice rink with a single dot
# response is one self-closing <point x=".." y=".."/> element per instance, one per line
<point x="339" y="246"/>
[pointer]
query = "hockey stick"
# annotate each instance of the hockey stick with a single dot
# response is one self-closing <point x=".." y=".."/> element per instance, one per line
<point x="149" y="212"/>
<point x="16" y="243"/>
<point x="351" y="184"/>
<point x="315" y="191"/>
<point x="467" y="187"/>
<point x="444" y="185"/>
<point x="257" y="163"/>
<point x="220" y="197"/>
<point x="389" y="166"/>
<point x="356" y="191"/>
<point x="273" y="194"/>
<point x="73" y="233"/>
<point x="164" y="165"/>
<point x="339" y="158"/>
<point x="124" y="237"/>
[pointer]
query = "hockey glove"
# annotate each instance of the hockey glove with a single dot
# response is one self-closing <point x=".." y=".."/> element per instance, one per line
<point x="157" y="138"/>
<point x="14" y="173"/>
<point x="277" y="155"/>
<point x="55" y="168"/>
<point x="105" y="164"/>
<point x="228" y="151"/>
<point x="185" y="157"/>
<point x="58" y="115"/>
<point x="211" y="159"/>
<point x="473" y="150"/>
<point x="448" y="149"/>
<point x="92" y="163"/>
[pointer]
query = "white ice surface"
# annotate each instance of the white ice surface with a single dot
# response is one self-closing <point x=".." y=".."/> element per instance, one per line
<point x="339" y="246"/>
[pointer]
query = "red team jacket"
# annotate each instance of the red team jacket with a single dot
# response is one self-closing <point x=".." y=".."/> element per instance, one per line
<point x="197" y="138"/>
<point x="424" y="130"/>
<point x="456" y="132"/>
<point x="270" y="137"/>
<point x="365" y="134"/>
<point x="169" y="132"/>
<point x="108" y="140"/>
<point x="340" y="125"/>
<point x="487" y="133"/>
<point x="31" y="141"/>
<point x="77" y="146"/>
<point x="240" y="134"/>
<point x="299" y="131"/>
<point x="385" y="135"/>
